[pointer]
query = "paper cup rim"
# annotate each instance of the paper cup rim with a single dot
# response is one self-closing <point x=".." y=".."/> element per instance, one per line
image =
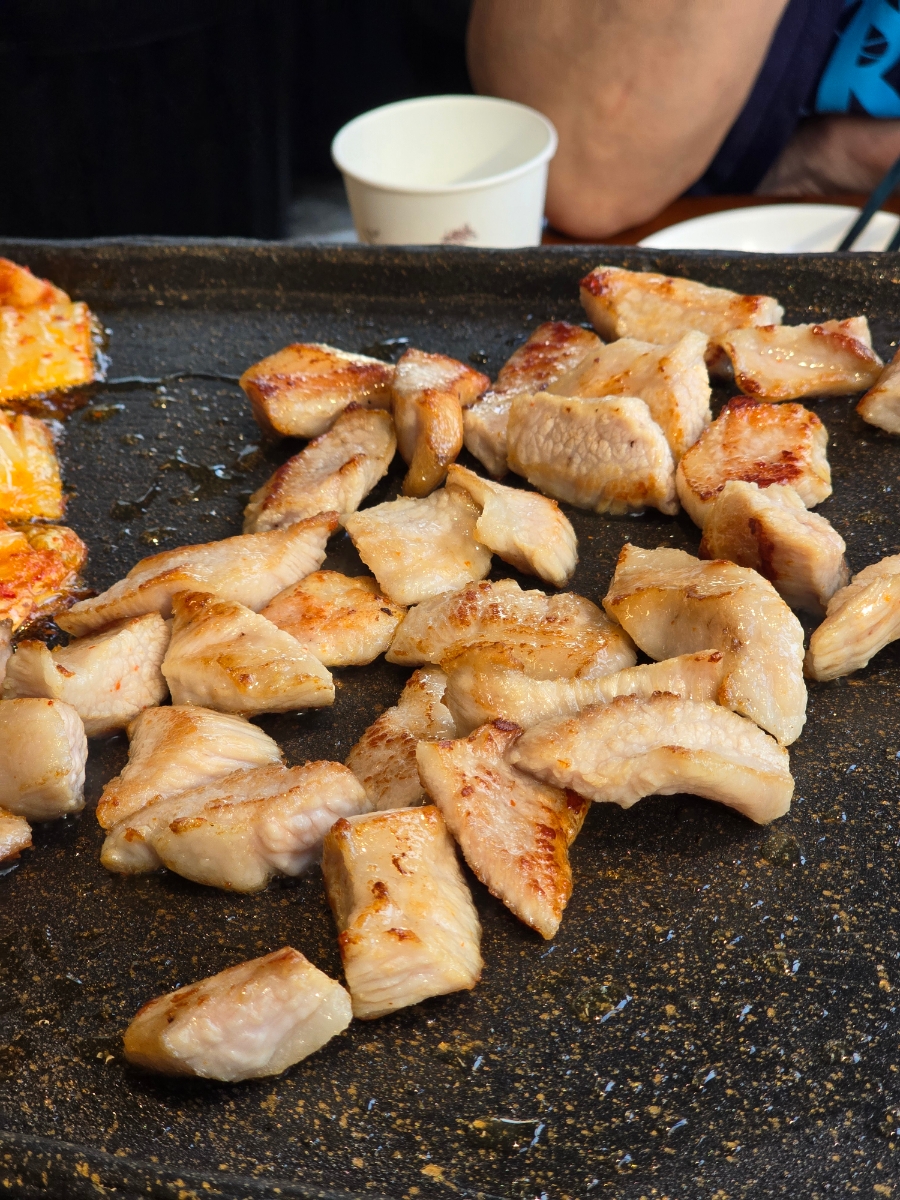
<point x="438" y="189"/>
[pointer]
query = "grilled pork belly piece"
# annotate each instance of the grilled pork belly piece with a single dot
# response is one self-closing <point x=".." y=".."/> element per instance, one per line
<point x="788" y="362"/>
<point x="881" y="404"/>
<point x="333" y="473"/>
<point x="408" y="927"/>
<point x="608" y="455"/>
<point x="525" y="529"/>
<point x="15" y="835"/>
<point x="553" y="349"/>
<point x="250" y="569"/>
<point x="107" y="677"/>
<point x="343" y="621"/>
<point x="661" y="309"/>
<point x="39" y="566"/>
<point x="420" y="548"/>
<point x="672" y="603"/>
<point x="555" y="636"/>
<point x="300" y="390"/>
<point x="384" y="758"/>
<point x="46" y="341"/>
<point x="238" y="832"/>
<point x="430" y="392"/>
<point x="861" y="619"/>
<point x="757" y="443"/>
<point x="30" y="483"/>
<point x="661" y="746"/>
<point x="43" y="752"/>
<point x="770" y="530"/>
<point x="671" y="380"/>
<point x="225" y="656"/>
<point x="490" y="682"/>
<point x="513" y="831"/>
<point x="178" y="748"/>
<point x="253" y="1020"/>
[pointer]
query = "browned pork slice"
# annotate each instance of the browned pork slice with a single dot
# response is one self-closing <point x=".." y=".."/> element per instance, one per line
<point x="384" y="758"/>
<point x="672" y="603"/>
<point x="430" y="392"/>
<point x="253" y="1020"/>
<point x="671" y="380"/>
<point x="300" y="390"/>
<point x="513" y="831"/>
<point x="788" y="362"/>
<point x="861" y="619"/>
<point x="333" y="473"/>
<point x="489" y="681"/>
<point x="176" y="748"/>
<point x="420" y="548"/>
<point x="661" y="309"/>
<point x="552" y="350"/>
<point x="344" y="622"/>
<point x="250" y="569"/>
<point x="608" y="455"/>
<point x="555" y="636"/>
<point x="107" y="677"/>
<point x="757" y="443"/>
<point x="525" y="529"/>
<point x="881" y="404"/>
<point x="225" y="656"/>
<point x="15" y="835"/>
<point x="770" y="530"/>
<point x="238" y="832"/>
<point x="661" y="746"/>
<point x="43" y="753"/>
<point x="408" y="927"/>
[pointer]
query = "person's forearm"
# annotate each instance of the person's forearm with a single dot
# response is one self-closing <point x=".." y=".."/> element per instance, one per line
<point x="642" y="92"/>
<point x="834" y="154"/>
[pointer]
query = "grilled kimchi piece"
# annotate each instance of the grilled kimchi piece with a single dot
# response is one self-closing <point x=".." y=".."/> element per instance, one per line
<point x="30" y="483"/>
<point x="39" y="566"/>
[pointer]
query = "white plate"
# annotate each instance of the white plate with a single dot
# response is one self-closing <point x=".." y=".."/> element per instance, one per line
<point x="775" y="228"/>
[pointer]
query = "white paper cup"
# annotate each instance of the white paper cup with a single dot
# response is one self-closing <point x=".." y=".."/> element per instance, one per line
<point x="450" y="170"/>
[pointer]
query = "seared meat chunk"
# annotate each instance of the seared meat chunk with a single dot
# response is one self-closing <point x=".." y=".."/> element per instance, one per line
<point x="881" y="404"/>
<point x="15" y="835"/>
<point x="788" y="362"/>
<point x="5" y="647"/>
<point x="43" y="752"/>
<point x="861" y="619"/>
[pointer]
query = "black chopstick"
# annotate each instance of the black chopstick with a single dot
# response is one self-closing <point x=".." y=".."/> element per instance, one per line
<point x="875" y="201"/>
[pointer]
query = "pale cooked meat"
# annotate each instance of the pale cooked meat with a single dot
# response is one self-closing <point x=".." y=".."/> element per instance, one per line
<point x="5" y="646"/>
<point x="253" y="1020"/>
<point x="408" y="928"/>
<point x="384" y="758"/>
<point x="491" y="682"/>
<point x="553" y="349"/>
<point x="788" y="362"/>
<point x="513" y="831"/>
<point x="107" y="677"/>
<point x="39" y="566"/>
<point x="30" y="483"/>
<point x="333" y="473"/>
<point x="430" y="392"/>
<point x="661" y="746"/>
<point x="881" y="404"/>
<point x="43" y="752"/>
<point x="525" y="529"/>
<point x="251" y="569"/>
<point x="557" y="636"/>
<point x="608" y="455"/>
<point x="770" y="530"/>
<point x="661" y="308"/>
<point x="180" y="747"/>
<point x="225" y="656"/>
<point x="240" y="831"/>
<point x="419" y="548"/>
<point x="671" y="380"/>
<point x="343" y="621"/>
<point x="15" y="835"/>
<point x="46" y="340"/>
<point x="757" y="443"/>
<point x="861" y="619"/>
<point x="300" y="390"/>
<point x="672" y="603"/>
